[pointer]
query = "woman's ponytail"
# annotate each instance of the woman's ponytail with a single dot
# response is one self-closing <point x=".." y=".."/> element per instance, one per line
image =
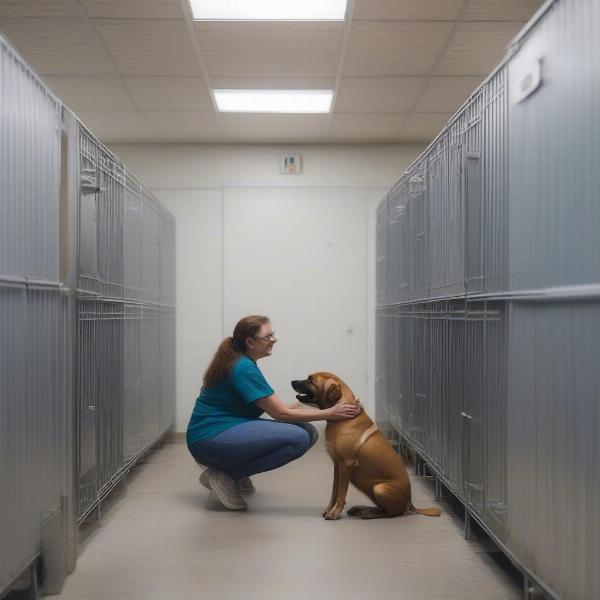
<point x="231" y="348"/>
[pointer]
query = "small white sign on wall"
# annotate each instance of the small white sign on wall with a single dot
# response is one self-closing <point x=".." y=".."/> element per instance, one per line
<point x="291" y="164"/>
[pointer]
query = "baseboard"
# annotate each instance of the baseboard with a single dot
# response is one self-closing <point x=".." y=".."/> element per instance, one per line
<point x="174" y="437"/>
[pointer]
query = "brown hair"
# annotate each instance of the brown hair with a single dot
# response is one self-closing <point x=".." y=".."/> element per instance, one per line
<point x="231" y="348"/>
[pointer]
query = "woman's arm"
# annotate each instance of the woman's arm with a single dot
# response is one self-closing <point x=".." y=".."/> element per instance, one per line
<point x="279" y="411"/>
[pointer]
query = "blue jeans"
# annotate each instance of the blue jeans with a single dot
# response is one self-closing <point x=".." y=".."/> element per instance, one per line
<point x="254" y="447"/>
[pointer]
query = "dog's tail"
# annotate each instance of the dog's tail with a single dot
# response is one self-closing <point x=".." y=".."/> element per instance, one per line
<point x="430" y="512"/>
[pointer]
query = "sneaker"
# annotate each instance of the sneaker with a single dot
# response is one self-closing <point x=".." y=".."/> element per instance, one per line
<point x="205" y="479"/>
<point x="245" y="485"/>
<point x="227" y="490"/>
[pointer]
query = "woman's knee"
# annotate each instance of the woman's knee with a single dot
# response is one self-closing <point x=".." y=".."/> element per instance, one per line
<point x="312" y="433"/>
<point x="311" y="430"/>
<point x="300" y="442"/>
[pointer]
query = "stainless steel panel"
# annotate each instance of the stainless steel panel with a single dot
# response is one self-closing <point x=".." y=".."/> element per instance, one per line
<point x="167" y="259"/>
<point x="392" y="379"/>
<point x="132" y="383"/>
<point x="472" y="187"/>
<point x="392" y="278"/>
<point x="404" y="364"/>
<point x="436" y="413"/>
<point x="472" y="412"/>
<point x="381" y="252"/>
<point x="151" y="250"/>
<point x="29" y="172"/>
<point x="454" y="250"/>
<point x="421" y="374"/>
<point x="33" y="427"/>
<point x="554" y="134"/>
<point x="150" y="373"/>
<point x="419" y="227"/>
<point x="553" y="420"/>
<point x="34" y="363"/>
<point x="438" y="217"/>
<point x="87" y="351"/>
<point x="109" y="396"/>
<point x="404" y="242"/>
<point x="167" y="369"/>
<point x="495" y="174"/>
<point x="380" y="368"/>
<point x="456" y="390"/>
<point x="495" y="380"/>
<point x="132" y="239"/>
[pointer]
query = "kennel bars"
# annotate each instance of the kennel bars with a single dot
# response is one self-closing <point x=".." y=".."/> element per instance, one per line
<point x="87" y="322"/>
<point x="488" y="303"/>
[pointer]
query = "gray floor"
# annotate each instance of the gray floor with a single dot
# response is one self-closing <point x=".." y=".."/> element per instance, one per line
<point x="166" y="537"/>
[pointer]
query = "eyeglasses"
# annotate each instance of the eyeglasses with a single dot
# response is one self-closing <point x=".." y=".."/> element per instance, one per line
<point x="267" y="338"/>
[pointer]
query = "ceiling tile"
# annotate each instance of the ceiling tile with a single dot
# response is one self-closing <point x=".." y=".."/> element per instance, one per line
<point x="378" y="94"/>
<point x="118" y="126"/>
<point x="91" y="93"/>
<point x="501" y="10"/>
<point x="365" y="127"/>
<point x="273" y="83"/>
<point x="149" y="47"/>
<point x="477" y="48"/>
<point x="273" y="128"/>
<point x="134" y="9"/>
<point x="258" y="49"/>
<point x="59" y="46"/>
<point x="423" y="127"/>
<point x="170" y="93"/>
<point x="35" y="8"/>
<point x="407" y="10"/>
<point x="184" y="126"/>
<point x="446" y="94"/>
<point x="397" y="48"/>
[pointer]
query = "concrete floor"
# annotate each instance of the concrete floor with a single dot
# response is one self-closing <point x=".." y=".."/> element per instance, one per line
<point x="166" y="537"/>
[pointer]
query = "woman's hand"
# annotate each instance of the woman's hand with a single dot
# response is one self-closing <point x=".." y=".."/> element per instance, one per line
<point x="343" y="411"/>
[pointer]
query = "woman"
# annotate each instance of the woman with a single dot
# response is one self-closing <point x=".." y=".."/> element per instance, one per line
<point x="225" y="432"/>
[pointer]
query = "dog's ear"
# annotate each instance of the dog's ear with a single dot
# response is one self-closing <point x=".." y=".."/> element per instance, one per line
<point x="333" y="391"/>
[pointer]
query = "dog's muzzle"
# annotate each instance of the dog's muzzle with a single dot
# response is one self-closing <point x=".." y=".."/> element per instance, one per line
<point x="305" y="394"/>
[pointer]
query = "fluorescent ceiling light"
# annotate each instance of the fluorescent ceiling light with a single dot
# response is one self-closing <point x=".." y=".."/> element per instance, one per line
<point x="274" y="101"/>
<point x="268" y="10"/>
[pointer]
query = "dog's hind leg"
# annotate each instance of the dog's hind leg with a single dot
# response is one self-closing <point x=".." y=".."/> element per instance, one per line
<point x="356" y="511"/>
<point x="390" y="499"/>
<point x="368" y="512"/>
<point x="374" y="512"/>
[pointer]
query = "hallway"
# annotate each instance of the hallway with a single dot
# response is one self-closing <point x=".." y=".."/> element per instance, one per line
<point x="168" y="538"/>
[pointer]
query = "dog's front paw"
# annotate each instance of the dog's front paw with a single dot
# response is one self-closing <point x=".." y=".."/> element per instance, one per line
<point x="333" y="514"/>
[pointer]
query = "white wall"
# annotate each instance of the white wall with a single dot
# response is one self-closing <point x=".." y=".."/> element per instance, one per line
<point x="298" y="248"/>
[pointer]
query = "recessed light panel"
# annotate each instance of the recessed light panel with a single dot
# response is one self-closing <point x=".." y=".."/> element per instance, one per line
<point x="268" y="10"/>
<point x="274" y="101"/>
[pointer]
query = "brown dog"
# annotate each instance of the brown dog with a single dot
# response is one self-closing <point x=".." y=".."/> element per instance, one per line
<point x="360" y="454"/>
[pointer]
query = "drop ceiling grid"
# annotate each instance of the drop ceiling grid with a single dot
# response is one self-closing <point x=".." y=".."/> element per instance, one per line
<point x="133" y="9"/>
<point x="35" y="9"/>
<point x="270" y="49"/>
<point x="92" y="93"/>
<point x="163" y="93"/>
<point x="149" y="46"/>
<point x="129" y="66"/>
<point x="65" y="46"/>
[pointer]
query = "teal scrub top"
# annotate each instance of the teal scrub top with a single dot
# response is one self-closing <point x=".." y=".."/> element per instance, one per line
<point x="230" y="402"/>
